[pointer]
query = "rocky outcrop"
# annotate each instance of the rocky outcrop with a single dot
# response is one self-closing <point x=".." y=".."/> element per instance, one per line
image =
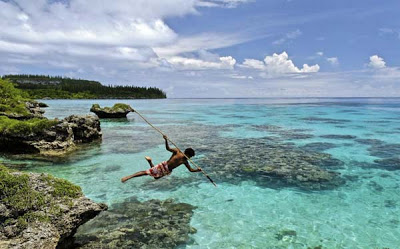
<point x="134" y="224"/>
<point x="32" y="111"/>
<point x="56" y="140"/>
<point x="85" y="128"/>
<point x="40" y="211"/>
<point x="117" y="111"/>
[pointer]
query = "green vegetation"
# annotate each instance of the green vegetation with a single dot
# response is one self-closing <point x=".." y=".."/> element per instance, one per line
<point x="116" y="107"/>
<point x="17" y="193"/>
<point x="12" y="100"/>
<point x="24" y="127"/>
<point x="121" y="106"/>
<point x="42" y="86"/>
<point x="62" y="188"/>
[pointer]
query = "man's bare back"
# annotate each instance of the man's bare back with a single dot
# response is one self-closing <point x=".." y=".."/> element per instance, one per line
<point x="165" y="168"/>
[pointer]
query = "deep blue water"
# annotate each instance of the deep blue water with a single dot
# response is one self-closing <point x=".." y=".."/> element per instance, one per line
<point x="364" y="134"/>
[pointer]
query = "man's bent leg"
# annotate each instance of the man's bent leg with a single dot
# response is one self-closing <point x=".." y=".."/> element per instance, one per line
<point x="148" y="159"/>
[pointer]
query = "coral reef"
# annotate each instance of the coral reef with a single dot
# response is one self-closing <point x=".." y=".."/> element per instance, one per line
<point x="269" y="163"/>
<point x="134" y="224"/>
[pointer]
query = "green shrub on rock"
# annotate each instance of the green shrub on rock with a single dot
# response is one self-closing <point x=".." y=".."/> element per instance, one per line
<point x="29" y="204"/>
<point x="12" y="100"/>
<point x="24" y="127"/>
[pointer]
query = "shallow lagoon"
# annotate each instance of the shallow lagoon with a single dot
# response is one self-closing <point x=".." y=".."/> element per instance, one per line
<point x="361" y="212"/>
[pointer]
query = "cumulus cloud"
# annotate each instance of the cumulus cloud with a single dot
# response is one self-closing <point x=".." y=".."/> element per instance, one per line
<point x="333" y="60"/>
<point x="279" y="64"/>
<point x="376" y="62"/>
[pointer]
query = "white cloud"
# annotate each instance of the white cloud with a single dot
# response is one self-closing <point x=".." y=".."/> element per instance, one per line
<point x="333" y="60"/>
<point x="183" y="63"/>
<point x="204" y="41"/>
<point x="320" y="53"/>
<point x="289" y="36"/>
<point x="123" y="34"/>
<point x="376" y="62"/>
<point x="278" y="64"/>
<point x="252" y="63"/>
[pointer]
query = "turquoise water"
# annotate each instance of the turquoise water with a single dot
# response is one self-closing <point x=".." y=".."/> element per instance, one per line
<point x="244" y="212"/>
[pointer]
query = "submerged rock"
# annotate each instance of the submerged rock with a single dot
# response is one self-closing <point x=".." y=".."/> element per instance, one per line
<point x="117" y="111"/>
<point x="134" y="224"/>
<point x="318" y="146"/>
<point x="384" y="150"/>
<point x="51" y="137"/>
<point x="39" y="211"/>
<point x="272" y="164"/>
<point x="388" y="163"/>
<point x="337" y="136"/>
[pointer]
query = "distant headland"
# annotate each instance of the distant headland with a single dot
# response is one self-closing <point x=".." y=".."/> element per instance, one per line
<point x="57" y="87"/>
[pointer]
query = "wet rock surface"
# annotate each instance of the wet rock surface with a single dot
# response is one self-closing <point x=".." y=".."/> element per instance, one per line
<point x="117" y="111"/>
<point x="42" y="211"/>
<point x="135" y="224"/>
<point x="56" y="140"/>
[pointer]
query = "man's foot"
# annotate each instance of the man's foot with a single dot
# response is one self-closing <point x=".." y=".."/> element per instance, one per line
<point x="148" y="158"/>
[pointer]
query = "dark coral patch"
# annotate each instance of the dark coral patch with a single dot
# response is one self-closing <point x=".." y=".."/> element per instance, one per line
<point x="318" y="146"/>
<point x="336" y="136"/>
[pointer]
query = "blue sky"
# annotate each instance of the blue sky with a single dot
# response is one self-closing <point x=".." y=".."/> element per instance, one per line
<point x="210" y="48"/>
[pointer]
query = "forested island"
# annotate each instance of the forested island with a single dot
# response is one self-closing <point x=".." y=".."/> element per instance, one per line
<point x="57" y="87"/>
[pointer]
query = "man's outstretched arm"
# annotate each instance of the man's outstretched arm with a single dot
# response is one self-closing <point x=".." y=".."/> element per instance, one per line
<point x="191" y="169"/>
<point x="167" y="146"/>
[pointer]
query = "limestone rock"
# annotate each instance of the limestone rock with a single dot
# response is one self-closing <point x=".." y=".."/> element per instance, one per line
<point x="48" y="210"/>
<point x="56" y="140"/>
<point x="117" y="111"/>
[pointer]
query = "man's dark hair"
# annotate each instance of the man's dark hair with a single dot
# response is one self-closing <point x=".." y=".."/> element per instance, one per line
<point x="189" y="152"/>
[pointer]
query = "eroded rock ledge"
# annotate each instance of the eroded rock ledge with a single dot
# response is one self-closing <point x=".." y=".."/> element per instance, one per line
<point x="55" y="138"/>
<point x="39" y="211"/>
